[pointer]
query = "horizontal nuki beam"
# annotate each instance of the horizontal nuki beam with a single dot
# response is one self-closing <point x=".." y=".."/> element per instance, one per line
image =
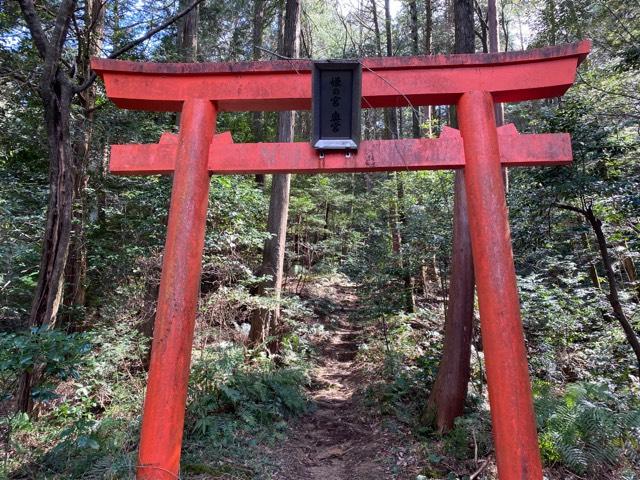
<point x="386" y="82"/>
<point x="445" y="152"/>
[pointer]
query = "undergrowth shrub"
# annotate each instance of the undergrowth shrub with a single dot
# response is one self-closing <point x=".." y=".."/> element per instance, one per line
<point x="56" y="354"/>
<point x="230" y="396"/>
<point x="88" y="405"/>
<point x="588" y="428"/>
<point x="469" y="437"/>
<point x="405" y="360"/>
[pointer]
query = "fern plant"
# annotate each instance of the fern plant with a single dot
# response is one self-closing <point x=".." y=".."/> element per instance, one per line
<point x="228" y="395"/>
<point x="586" y="428"/>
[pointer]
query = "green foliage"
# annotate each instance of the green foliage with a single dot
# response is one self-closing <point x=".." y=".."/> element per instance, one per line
<point x="87" y="428"/>
<point x="405" y="360"/>
<point x="93" y="385"/>
<point x="471" y="435"/>
<point x="589" y="427"/>
<point x="570" y="334"/>
<point x="55" y="354"/>
<point x="227" y="394"/>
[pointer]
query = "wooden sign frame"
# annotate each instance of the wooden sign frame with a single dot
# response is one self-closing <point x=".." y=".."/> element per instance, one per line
<point x="322" y="106"/>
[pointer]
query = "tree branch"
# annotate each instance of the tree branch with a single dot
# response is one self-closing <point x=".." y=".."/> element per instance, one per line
<point x="35" y="26"/>
<point x="621" y="22"/>
<point x="571" y="208"/>
<point x="54" y="52"/>
<point x="139" y="40"/>
<point x="481" y="17"/>
<point x="62" y="26"/>
<point x="608" y="92"/>
<point x="155" y="30"/>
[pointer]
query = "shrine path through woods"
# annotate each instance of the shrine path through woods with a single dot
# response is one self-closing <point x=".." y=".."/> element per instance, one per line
<point x="342" y="438"/>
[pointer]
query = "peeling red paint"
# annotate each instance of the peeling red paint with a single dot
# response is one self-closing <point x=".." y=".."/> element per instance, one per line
<point x="512" y="416"/>
<point x="386" y="81"/>
<point x="373" y="155"/>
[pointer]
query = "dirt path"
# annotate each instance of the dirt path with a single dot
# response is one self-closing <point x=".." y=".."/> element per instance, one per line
<point x="341" y="439"/>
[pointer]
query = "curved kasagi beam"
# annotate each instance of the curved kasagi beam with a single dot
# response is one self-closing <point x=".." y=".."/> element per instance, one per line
<point x="386" y="81"/>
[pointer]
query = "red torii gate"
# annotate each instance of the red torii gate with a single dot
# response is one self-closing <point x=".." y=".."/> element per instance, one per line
<point x="473" y="82"/>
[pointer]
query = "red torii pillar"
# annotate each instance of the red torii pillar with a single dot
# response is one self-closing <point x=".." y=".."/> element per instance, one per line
<point x="473" y="82"/>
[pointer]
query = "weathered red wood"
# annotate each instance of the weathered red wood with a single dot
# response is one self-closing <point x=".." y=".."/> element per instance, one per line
<point x="475" y="82"/>
<point x="374" y="155"/>
<point x="386" y="82"/>
<point x="222" y="138"/>
<point x="164" y="404"/>
<point x="512" y="415"/>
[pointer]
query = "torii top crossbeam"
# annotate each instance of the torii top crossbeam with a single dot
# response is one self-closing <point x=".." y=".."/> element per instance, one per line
<point x="473" y="82"/>
<point x="386" y="81"/>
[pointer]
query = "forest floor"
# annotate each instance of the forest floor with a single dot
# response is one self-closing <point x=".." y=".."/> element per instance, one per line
<point x="342" y="438"/>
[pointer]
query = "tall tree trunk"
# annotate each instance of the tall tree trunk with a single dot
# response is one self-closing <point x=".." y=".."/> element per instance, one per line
<point x="56" y="92"/>
<point x="387" y="27"/>
<point x="446" y="401"/>
<point x="415" y="50"/>
<point x="428" y="33"/>
<point x="187" y="39"/>
<point x="408" y="280"/>
<point x="428" y="26"/>
<point x="396" y="207"/>
<point x="188" y="33"/>
<point x="492" y="24"/>
<point x="391" y="114"/>
<point x="257" y="34"/>
<point x="76" y="268"/>
<point x="265" y="323"/>
<point x="552" y="23"/>
<point x="376" y="27"/>
<point x="483" y="34"/>
<point x="505" y="26"/>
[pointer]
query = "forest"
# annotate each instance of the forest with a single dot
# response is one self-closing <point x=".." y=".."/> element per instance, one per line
<point x="337" y="333"/>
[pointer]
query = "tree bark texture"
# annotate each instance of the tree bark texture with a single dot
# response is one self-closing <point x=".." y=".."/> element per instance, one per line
<point x="56" y="92"/>
<point x="188" y="33"/>
<point x="376" y="27"/>
<point x="76" y="268"/>
<point x="428" y="26"/>
<point x="415" y="50"/>
<point x="447" y="397"/>
<point x="257" y="34"/>
<point x="264" y="323"/>
<point x="446" y="401"/>
<point x="396" y="207"/>
<point x="492" y="26"/>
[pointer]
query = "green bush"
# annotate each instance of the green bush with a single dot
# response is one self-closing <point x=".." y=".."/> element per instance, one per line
<point x="470" y="432"/>
<point x="58" y="355"/>
<point x="405" y="360"/>
<point x="227" y="394"/>
<point x="587" y="427"/>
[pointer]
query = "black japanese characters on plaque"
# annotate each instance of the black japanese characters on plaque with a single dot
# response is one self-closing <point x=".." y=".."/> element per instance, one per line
<point x="336" y="105"/>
